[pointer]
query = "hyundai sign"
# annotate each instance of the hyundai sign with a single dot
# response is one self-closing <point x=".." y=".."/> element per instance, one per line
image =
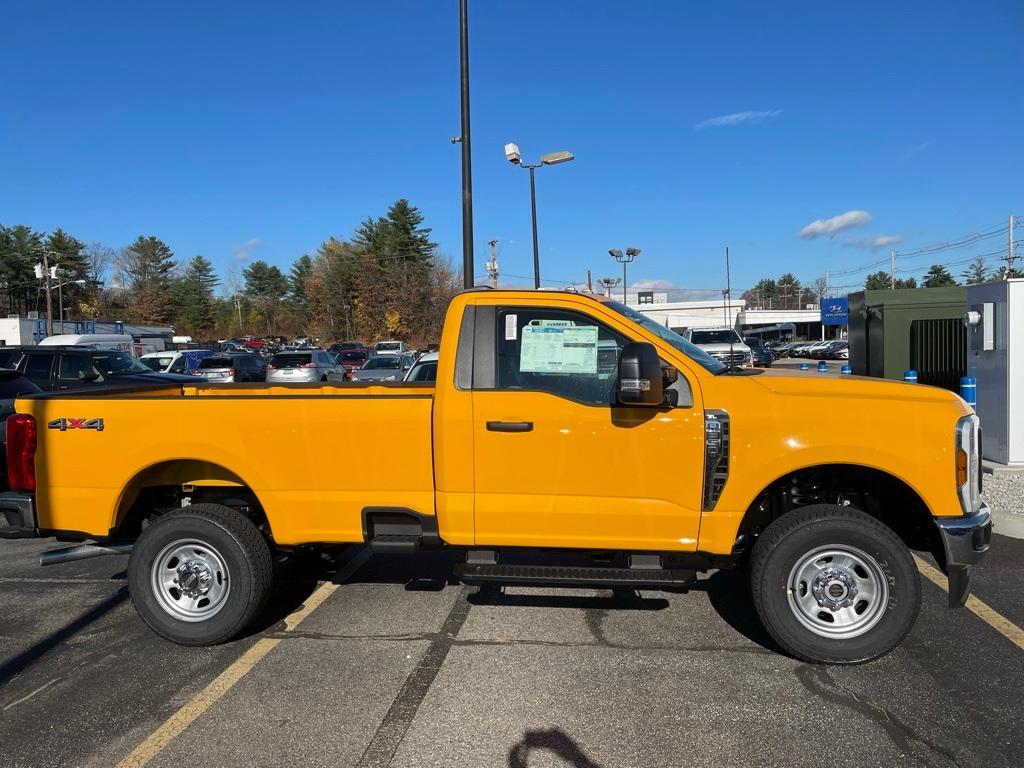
<point x="835" y="312"/>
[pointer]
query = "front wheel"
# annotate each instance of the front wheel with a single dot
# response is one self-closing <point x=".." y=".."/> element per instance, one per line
<point x="834" y="585"/>
<point x="199" y="575"/>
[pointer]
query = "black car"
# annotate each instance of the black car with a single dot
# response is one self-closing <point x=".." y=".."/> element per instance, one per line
<point x="56" y="368"/>
<point x="761" y="354"/>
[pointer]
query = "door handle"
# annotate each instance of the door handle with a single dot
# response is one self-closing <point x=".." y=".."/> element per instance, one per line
<point x="510" y="426"/>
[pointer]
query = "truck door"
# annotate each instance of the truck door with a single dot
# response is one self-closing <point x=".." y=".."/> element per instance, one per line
<point x="556" y="461"/>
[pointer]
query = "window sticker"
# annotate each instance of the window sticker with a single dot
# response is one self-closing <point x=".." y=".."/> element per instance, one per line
<point x="558" y="349"/>
<point x="510" y="327"/>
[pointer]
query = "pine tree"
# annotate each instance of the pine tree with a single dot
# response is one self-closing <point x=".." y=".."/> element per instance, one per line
<point x="266" y="285"/>
<point x="67" y="254"/>
<point x="146" y="267"/>
<point x="301" y="269"/>
<point x="976" y="272"/>
<point x="193" y="296"/>
<point x="20" y="249"/>
<point x="938" y="276"/>
<point x="789" y="290"/>
<point x="882" y="281"/>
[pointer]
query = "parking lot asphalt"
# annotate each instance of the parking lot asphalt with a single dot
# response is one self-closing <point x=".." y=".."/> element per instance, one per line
<point x="399" y="665"/>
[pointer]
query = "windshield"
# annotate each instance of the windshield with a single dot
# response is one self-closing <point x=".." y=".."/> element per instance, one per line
<point x="391" y="346"/>
<point x="715" y="337"/>
<point x="695" y="353"/>
<point x="352" y="357"/>
<point x="382" y="362"/>
<point x="118" y="363"/>
<point x="156" y="363"/>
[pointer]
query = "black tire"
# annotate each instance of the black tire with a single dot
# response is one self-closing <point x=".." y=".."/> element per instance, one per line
<point x="792" y="540"/>
<point x="247" y="569"/>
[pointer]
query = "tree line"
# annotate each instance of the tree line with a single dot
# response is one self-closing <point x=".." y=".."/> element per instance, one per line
<point x="387" y="280"/>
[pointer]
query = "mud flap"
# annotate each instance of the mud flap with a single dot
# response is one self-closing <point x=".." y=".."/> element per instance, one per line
<point x="959" y="585"/>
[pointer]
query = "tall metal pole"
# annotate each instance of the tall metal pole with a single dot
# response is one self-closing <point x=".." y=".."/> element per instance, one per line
<point x="1009" y="250"/>
<point x="624" y="263"/>
<point x="467" y="163"/>
<point x="533" y="213"/>
<point x="49" y="298"/>
<point x="892" y="270"/>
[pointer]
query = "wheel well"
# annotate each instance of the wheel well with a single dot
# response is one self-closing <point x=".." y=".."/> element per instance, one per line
<point x="870" y="490"/>
<point x="170" y="485"/>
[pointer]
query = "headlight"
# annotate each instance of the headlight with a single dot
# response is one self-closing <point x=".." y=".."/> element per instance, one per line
<point x="968" y="464"/>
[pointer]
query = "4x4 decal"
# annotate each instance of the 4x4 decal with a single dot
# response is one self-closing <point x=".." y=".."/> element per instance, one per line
<point x="65" y="424"/>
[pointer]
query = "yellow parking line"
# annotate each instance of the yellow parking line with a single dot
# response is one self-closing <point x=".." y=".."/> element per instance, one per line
<point x="184" y="717"/>
<point x="993" y="618"/>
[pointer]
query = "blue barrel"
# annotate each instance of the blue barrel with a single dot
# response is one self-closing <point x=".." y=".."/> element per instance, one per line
<point x="846" y="369"/>
<point x="910" y="377"/>
<point x="822" y="367"/>
<point x="804" y="366"/>
<point x="969" y="390"/>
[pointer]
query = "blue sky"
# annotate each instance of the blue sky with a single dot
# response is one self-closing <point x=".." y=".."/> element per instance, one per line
<point x="258" y="129"/>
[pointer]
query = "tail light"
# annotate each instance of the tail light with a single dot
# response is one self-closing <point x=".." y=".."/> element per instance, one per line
<point x="270" y="367"/>
<point x="231" y="371"/>
<point x="309" y="365"/>
<point x="21" y="452"/>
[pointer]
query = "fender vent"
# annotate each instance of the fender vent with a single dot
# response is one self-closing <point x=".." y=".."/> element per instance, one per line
<point x="716" y="456"/>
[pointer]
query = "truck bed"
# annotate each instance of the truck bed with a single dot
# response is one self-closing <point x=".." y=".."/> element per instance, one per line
<point x="336" y="449"/>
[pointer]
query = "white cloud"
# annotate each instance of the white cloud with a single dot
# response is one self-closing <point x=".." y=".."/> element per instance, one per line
<point x="244" y="251"/>
<point x="835" y="225"/>
<point x="873" y="243"/>
<point x="738" y="118"/>
<point x="653" y="285"/>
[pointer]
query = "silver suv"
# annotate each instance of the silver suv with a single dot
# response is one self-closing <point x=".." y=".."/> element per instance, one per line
<point x="723" y="344"/>
<point x="306" y="366"/>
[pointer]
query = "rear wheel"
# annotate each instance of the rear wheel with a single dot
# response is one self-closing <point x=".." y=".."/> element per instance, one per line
<point x="200" y="575"/>
<point x="834" y="585"/>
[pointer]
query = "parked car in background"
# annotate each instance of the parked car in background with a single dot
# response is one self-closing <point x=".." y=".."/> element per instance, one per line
<point x="347" y="346"/>
<point x="839" y="350"/>
<point x="300" y="366"/>
<point x="121" y="341"/>
<point x="383" y="368"/>
<point x="760" y="355"/>
<point x="175" y="361"/>
<point x="53" y="368"/>
<point x="723" y="344"/>
<point x="390" y="348"/>
<point x="350" y="360"/>
<point x="231" y="367"/>
<point x="424" y="369"/>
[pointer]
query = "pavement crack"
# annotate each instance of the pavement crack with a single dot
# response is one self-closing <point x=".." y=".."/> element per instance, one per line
<point x="818" y="681"/>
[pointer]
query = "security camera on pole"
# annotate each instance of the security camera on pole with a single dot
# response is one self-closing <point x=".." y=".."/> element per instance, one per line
<point x="624" y="259"/>
<point x="551" y="158"/>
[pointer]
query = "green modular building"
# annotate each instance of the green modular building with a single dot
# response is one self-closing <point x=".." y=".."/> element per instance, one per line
<point x="920" y="329"/>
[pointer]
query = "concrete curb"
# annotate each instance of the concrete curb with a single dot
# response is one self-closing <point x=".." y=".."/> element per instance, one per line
<point x="1008" y="525"/>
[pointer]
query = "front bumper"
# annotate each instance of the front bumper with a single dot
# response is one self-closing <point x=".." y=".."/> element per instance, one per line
<point x="965" y="540"/>
<point x="18" y="516"/>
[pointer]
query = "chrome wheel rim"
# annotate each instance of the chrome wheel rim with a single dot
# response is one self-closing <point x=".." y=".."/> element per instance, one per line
<point x="839" y="592"/>
<point x="190" y="580"/>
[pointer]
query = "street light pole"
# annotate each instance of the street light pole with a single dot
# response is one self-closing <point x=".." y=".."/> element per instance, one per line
<point x="49" y="298"/>
<point x="467" y="162"/>
<point x="624" y="259"/>
<point x="533" y="213"/>
<point x="550" y="158"/>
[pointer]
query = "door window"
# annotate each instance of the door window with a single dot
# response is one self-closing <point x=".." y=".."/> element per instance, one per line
<point x="71" y="366"/>
<point x="38" y="367"/>
<point x="565" y="353"/>
<point x="178" y="366"/>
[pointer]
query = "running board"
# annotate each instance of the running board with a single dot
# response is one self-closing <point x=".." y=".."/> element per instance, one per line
<point x="400" y="544"/>
<point x="555" y="576"/>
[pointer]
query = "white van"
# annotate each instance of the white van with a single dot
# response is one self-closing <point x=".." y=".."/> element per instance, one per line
<point x="117" y="341"/>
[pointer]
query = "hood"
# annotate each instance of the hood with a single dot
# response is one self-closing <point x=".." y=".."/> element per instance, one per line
<point x="840" y="386"/>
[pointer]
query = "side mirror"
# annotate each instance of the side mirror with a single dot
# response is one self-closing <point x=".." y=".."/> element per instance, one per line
<point x="640" y="377"/>
<point x="88" y="376"/>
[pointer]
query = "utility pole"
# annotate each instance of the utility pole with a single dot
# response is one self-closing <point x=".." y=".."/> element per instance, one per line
<point x="464" y="140"/>
<point x="1009" y="250"/>
<point x="49" y="298"/>
<point x="590" y="283"/>
<point x="892" y="270"/>
<point x="492" y="265"/>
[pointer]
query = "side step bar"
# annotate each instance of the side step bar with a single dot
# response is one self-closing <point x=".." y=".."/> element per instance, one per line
<point x="556" y="576"/>
<point x="396" y="544"/>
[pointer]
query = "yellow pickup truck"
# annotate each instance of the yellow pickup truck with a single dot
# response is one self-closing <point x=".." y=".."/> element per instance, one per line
<point x="566" y="427"/>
